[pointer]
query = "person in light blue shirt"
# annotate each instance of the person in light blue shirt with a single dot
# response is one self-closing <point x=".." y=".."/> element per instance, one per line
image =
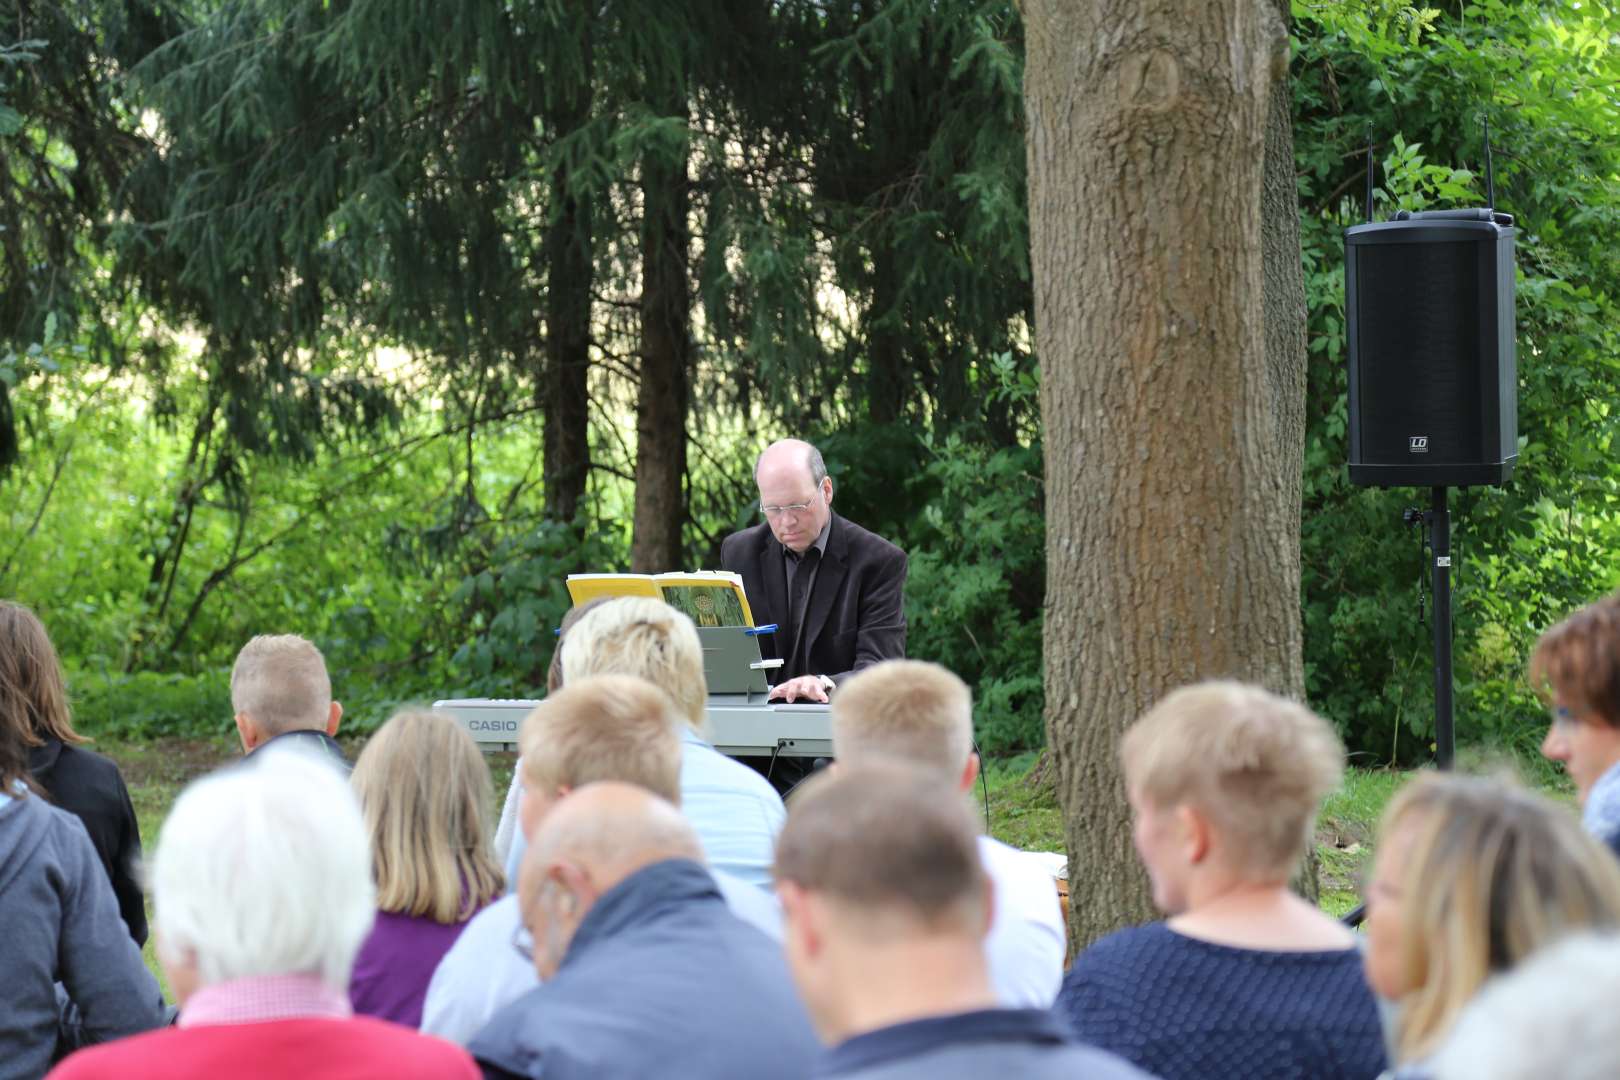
<point x="608" y="727"/>
<point x="735" y="810"/>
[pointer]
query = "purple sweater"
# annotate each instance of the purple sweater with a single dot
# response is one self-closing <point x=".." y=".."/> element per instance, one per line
<point x="395" y="964"/>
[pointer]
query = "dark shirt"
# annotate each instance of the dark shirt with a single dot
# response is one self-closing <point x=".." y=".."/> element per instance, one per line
<point x="854" y="612"/>
<point x="1024" y="1043"/>
<point x="660" y="980"/>
<point x="1181" y="1008"/>
<point x="89" y="786"/>
<point x="310" y="739"/>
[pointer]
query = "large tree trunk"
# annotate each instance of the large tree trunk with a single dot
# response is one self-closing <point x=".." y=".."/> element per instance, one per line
<point x="569" y="268"/>
<point x="660" y="511"/>
<point x="1172" y="432"/>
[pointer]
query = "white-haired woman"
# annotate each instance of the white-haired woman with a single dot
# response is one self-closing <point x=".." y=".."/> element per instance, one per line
<point x="262" y="894"/>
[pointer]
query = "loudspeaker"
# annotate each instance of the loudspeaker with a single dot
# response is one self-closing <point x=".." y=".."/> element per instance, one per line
<point x="1433" y="375"/>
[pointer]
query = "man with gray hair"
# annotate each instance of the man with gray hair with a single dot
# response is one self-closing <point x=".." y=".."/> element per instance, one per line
<point x="885" y="905"/>
<point x="644" y="970"/>
<point x="281" y="693"/>
<point x="833" y="589"/>
<point x="922" y="714"/>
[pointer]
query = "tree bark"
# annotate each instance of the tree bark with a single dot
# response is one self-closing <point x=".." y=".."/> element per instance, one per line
<point x="1172" y="431"/>
<point x="569" y="270"/>
<point x="660" y="506"/>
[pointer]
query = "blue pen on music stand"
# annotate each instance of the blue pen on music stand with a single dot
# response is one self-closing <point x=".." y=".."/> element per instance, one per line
<point x="755" y="631"/>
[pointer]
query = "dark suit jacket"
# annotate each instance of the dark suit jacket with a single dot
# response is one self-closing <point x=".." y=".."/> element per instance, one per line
<point x="89" y="786"/>
<point x="856" y="616"/>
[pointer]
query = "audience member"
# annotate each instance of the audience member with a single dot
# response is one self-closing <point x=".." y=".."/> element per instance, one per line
<point x="1245" y="978"/>
<point x="605" y="727"/>
<point x="734" y="809"/>
<point x="886" y="904"/>
<point x="34" y="703"/>
<point x="923" y="714"/>
<point x="1576" y="665"/>
<point x="1471" y="876"/>
<point x="282" y="694"/>
<point x="426" y="795"/>
<point x="59" y="922"/>
<point x="262" y="893"/>
<point x="508" y="843"/>
<point x="644" y="971"/>
<point x="1553" y="1016"/>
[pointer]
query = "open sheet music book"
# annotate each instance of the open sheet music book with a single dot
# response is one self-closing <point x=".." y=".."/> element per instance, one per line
<point x="709" y="597"/>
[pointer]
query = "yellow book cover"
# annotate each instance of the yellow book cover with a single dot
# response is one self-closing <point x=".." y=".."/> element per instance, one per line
<point x="708" y="597"/>
<point x="583" y="588"/>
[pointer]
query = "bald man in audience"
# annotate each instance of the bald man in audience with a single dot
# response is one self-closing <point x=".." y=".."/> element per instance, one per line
<point x="922" y="714"/>
<point x="601" y="727"/>
<point x="644" y="972"/>
<point x="281" y="693"/>
<point x="886" y="906"/>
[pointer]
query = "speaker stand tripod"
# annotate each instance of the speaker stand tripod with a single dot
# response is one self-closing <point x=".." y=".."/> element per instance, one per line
<point x="1437" y="520"/>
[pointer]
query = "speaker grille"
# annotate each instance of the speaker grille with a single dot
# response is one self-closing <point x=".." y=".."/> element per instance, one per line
<point x="1420" y="370"/>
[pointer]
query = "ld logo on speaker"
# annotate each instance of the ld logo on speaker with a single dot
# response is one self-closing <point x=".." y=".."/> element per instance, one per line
<point x="1418" y="444"/>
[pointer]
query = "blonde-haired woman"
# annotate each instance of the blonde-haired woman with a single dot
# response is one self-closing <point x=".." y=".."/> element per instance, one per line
<point x="1472" y="875"/>
<point x="427" y="799"/>
<point x="1243" y="978"/>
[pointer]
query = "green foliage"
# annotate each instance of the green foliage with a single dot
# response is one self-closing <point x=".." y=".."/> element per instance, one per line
<point x="274" y="338"/>
<point x="978" y="577"/>
<point x="149" y="703"/>
<point x="1546" y="76"/>
<point x="513" y="606"/>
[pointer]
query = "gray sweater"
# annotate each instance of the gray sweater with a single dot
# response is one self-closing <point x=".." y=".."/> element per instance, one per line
<point x="59" y="923"/>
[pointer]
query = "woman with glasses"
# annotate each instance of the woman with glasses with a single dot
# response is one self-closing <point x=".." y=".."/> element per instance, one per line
<point x="427" y="799"/>
<point x="1472" y="876"/>
<point x="1576" y="667"/>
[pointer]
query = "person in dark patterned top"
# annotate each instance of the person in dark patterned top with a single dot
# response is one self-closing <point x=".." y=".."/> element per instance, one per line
<point x="1245" y="978"/>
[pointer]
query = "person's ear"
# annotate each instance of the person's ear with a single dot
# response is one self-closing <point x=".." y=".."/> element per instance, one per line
<point x="248" y="732"/>
<point x="970" y="773"/>
<point x="578" y="891"/>
<point x="1194" y="832"/>
<point x="800" y="919"/>
<point x="332" y="719"/>
<point x="827" y="489"/>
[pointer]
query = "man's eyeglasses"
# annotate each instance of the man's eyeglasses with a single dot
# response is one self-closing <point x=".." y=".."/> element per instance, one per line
<point x="793" y="508"/>
<point x="523" y="943"/>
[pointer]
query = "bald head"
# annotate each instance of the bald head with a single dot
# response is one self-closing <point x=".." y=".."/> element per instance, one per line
<point x="612" y="829"/>
<point x="794" y="455"/>
<point x="795" y="492"/>
<point x="590" y="841"/>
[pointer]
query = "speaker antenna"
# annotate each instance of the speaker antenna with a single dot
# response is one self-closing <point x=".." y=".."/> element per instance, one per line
<point x="1490" y="172"/>
<point x="1370" y="174"/>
